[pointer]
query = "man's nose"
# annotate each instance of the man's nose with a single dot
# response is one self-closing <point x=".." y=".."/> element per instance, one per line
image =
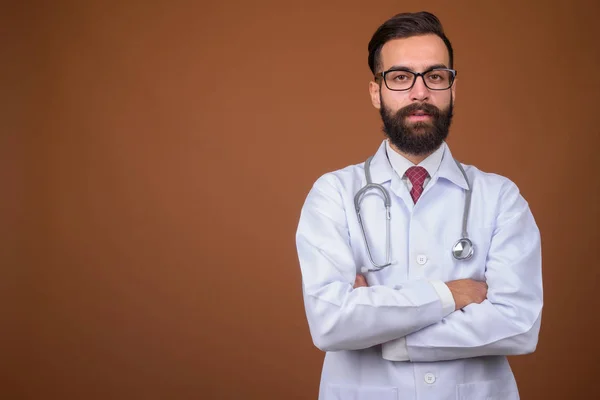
<point x="419" y="92"/>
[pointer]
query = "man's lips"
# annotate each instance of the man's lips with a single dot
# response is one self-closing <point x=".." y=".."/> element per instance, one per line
<point x="419" y="116"/>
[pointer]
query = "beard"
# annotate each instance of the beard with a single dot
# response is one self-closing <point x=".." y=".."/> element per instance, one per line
<point x="418" y="138"/>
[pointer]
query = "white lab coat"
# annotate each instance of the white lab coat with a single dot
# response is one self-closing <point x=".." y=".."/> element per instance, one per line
<point x="461" y="355"/>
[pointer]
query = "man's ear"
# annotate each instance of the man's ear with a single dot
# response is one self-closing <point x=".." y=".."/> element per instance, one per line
<point x="375" y="95"/>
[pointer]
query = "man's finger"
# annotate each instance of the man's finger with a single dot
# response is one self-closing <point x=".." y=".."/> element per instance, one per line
<point x="360" y="281"/>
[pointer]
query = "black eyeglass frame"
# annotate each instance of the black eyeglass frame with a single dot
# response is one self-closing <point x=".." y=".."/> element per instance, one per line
<point x="382" y="75"/>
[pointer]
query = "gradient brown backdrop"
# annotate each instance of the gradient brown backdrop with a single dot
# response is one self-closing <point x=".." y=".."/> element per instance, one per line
<point x="154" y="157"/>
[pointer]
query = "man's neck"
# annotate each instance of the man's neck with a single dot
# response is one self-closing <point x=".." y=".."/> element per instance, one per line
<point x="415" y="159"/>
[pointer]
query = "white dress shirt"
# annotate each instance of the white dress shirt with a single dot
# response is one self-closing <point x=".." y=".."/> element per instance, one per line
<point x="396" y="350"/>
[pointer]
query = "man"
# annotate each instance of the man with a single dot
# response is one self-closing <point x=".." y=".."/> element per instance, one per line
<point x="439" y="321"/>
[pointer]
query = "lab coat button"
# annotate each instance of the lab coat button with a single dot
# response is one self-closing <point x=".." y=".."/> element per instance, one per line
<point x="429" y="378"/>
<point x="421" y="259"/>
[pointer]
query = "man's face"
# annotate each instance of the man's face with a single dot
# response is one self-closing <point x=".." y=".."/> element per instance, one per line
<point x="416" y="120"/>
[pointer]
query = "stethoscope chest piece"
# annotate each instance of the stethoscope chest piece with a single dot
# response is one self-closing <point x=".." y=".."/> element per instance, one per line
<point x="463" y="249"/>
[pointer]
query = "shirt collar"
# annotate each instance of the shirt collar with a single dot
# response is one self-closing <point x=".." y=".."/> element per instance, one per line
<point x="401" y="164"/>
<point x="446" y="168"/>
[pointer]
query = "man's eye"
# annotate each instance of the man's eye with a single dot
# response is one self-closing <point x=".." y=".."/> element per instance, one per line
<point x="401" y="77"/>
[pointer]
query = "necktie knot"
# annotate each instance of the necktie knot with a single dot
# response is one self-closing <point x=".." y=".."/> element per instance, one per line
<point x="416" y="175"/>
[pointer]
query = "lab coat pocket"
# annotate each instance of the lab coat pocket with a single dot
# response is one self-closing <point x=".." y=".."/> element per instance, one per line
<point x="499" y="389"/>
<point x="353" y="392"/>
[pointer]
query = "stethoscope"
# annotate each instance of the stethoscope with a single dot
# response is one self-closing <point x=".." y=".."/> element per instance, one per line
<point x="462" y="250"/>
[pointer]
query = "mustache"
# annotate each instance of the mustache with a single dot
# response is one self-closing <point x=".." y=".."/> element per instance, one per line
<point x="414" y="107"/>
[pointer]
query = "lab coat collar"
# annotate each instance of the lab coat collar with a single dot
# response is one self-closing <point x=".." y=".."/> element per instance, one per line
<point x="450" y="171"/>
<point x="381" y="169"/>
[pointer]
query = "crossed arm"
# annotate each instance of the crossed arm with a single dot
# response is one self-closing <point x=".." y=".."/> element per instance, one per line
<point x="498" y="317"/>
<point x="464" y="291"/>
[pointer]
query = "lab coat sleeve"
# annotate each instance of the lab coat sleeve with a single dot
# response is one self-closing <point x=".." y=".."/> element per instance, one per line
<point x="508" y="321"/>
<point x="396" y="350"/>
<point x="340" y="317"/>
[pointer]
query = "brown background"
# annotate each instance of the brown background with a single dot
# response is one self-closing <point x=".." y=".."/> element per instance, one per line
<point x="154" y="157"/>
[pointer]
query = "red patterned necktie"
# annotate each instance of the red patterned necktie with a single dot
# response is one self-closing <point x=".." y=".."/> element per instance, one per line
<point x="417" y="176"/>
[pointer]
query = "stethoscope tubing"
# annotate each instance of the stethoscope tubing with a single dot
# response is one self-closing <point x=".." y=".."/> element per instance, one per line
<point x="461" y="244"/>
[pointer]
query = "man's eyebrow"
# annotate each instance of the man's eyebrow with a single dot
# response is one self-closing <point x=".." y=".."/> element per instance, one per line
<point x="407" y="68"/>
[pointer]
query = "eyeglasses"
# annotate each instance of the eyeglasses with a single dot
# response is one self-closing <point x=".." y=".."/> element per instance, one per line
<point x="400" y="79"/>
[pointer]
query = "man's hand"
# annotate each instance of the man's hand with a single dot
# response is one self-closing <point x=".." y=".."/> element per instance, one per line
<point x="467" y="291"/>
<point x="360" y="281"/>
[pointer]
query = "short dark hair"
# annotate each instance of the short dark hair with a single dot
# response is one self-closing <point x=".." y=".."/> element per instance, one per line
<point x="405" y="25"/>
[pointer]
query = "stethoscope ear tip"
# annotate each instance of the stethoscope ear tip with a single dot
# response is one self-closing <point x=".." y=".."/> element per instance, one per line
<point x="364" y="270"/>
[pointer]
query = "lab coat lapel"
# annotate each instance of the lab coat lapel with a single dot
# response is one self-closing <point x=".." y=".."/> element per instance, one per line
<point x="383" y="173"/>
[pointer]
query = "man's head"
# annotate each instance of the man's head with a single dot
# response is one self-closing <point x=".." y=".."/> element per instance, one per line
<point x="413" y="87"/>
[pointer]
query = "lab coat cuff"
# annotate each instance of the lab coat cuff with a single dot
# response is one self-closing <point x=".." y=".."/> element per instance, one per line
<point x="395" y="350"/>
<point x="448" y="305"/>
